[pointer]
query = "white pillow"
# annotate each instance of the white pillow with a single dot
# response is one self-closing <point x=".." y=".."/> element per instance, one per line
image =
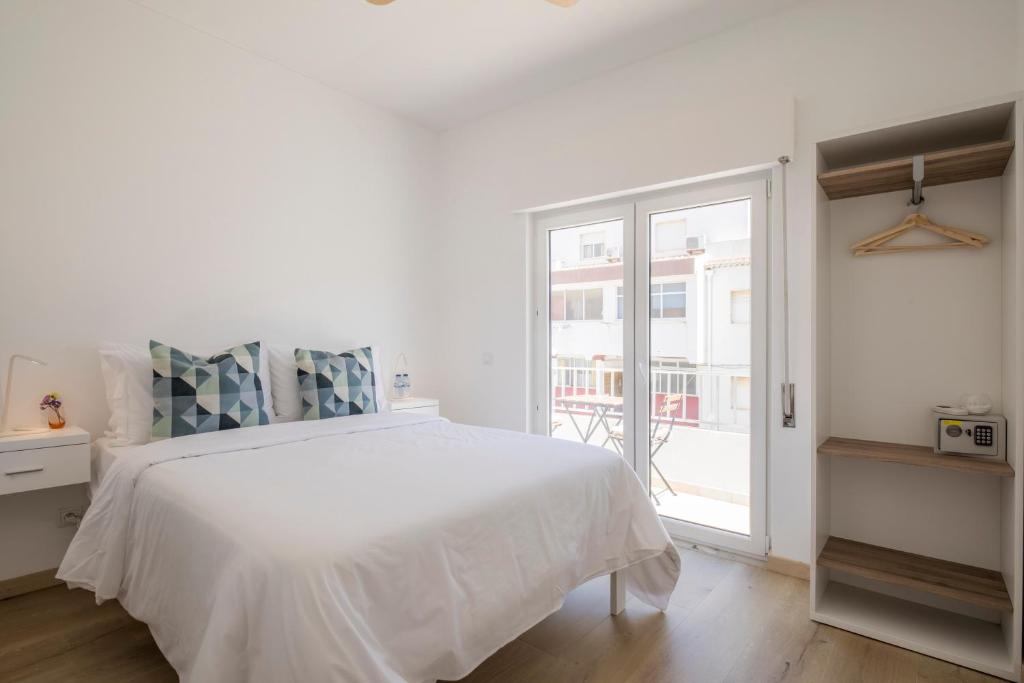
<point x="284" y="374"/>
<point x="128" y="377"/>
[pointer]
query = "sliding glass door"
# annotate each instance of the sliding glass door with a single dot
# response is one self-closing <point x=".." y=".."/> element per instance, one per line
<point x="651" y="341"/>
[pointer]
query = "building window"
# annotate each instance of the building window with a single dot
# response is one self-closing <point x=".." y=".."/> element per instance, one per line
<point x="574" y="304"/>
<point x="574" y="375"/>
<point x="670" y="237"/>
<point x="740" y="393"/>
<point x="577" y="304"/>
<point x="620" y="303"/>
<point x="593" y="300"/>
<point x="558" y="305"/>
<point x="673" y="377"/>
<point x="740" y="306"/>
<point x="591" y="245"/>
<point x="668" y="300"/>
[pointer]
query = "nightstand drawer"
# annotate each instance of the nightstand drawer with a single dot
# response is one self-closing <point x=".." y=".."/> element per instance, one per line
<point x="414" y="405"/>
<point x="421" y="410"/>
<point x="43" y="468"/>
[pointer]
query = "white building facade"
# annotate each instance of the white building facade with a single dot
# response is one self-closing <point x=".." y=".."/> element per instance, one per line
<point x="699" y="313"/>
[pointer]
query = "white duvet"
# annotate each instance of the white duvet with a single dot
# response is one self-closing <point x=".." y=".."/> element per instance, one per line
<point x="371" y="548"/>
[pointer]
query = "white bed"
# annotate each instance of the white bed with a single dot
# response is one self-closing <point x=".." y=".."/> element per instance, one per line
<point x="103" y="456"/>
<point x="369" y="548"/>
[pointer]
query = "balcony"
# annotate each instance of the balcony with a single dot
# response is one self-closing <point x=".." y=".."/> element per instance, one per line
<point x="704" y="462"/>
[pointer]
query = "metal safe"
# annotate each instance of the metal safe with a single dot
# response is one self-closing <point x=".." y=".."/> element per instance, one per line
<point x="979" y="436"/>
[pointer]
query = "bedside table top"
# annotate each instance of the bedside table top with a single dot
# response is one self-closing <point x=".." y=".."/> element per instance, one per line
<point x="68" y="436"/>
<point x="413" y="402"/>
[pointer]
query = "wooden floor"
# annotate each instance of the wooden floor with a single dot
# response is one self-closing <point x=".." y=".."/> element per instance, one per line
<point x="728" y="622"/>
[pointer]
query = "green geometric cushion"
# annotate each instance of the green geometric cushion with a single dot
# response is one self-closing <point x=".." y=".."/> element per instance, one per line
<point x="192" y="395"/>
<point x="336" y="384"/>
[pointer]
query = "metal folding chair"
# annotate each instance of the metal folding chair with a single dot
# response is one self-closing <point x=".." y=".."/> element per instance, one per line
<point x="665" y="418"/>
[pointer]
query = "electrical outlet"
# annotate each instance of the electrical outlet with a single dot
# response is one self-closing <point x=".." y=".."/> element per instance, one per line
<point x="70" y="516"/>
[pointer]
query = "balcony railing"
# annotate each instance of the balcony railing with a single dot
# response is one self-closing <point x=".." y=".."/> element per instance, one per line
<point x="712" y="399"/>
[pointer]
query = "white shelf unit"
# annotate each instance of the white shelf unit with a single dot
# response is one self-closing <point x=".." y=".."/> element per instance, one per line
<point x="895" y="334"/>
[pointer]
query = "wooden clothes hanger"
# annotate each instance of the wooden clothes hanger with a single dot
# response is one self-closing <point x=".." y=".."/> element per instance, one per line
<point x="879" y="242"/>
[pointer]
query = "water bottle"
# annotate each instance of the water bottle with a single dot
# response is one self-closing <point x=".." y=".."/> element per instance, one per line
<point x="401" y="386"/>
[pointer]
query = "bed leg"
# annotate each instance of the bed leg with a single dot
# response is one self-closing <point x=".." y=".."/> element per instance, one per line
<point x="618" y="592"/>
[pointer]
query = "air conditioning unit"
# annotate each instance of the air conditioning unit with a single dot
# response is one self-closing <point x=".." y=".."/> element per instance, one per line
<point x="695" y="243"/>
<point x="613" y="253"/>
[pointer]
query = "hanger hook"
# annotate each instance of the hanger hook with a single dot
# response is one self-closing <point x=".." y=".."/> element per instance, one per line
<point x="917" y="196"/>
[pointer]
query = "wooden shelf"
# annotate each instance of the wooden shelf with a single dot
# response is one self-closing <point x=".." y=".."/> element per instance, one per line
<point x="974" y="585"/>
<point x="920" y="456"/>
<point x="964" y="640"/>
<point x="986" y="160"/>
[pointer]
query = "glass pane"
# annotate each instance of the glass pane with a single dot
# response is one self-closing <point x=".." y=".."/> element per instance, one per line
<point x="673" y="300"/>
<point x="700" y="365"/>
<point x="574" y="305"/>
<point x="586" y="357"/>
<point x="741" y="306"/>
<point x="594" y="302"/>
<point x="558" y="305"/>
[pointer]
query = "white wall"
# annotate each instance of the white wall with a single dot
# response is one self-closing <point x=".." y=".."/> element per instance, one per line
<point x="821" y="217"/>
<point x="709" y="106"/>
<point x="1012" y="506"/>
<point x="1020" y="44"/>
<point x="935" y="318"/>
<point x="156" y="182"/>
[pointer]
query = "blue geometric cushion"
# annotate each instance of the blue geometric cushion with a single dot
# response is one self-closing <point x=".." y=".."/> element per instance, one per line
<point x="336" y="384"/>
<point x="192" y="395"/>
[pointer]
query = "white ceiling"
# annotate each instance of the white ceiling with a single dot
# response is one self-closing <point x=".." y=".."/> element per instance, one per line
<point x="445" y="62"/>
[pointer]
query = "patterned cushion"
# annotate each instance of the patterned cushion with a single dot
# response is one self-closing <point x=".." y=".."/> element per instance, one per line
<point x="333" y="385"/>
<point x="192" y="395"/>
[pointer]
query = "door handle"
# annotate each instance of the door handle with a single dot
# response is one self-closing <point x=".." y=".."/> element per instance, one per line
<point x="641" y="370"/>
<point x="24" y="470"/>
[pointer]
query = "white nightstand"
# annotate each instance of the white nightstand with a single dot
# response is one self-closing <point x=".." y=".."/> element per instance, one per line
<point x="44" y="460"/>
<point x="423" y="406"/>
